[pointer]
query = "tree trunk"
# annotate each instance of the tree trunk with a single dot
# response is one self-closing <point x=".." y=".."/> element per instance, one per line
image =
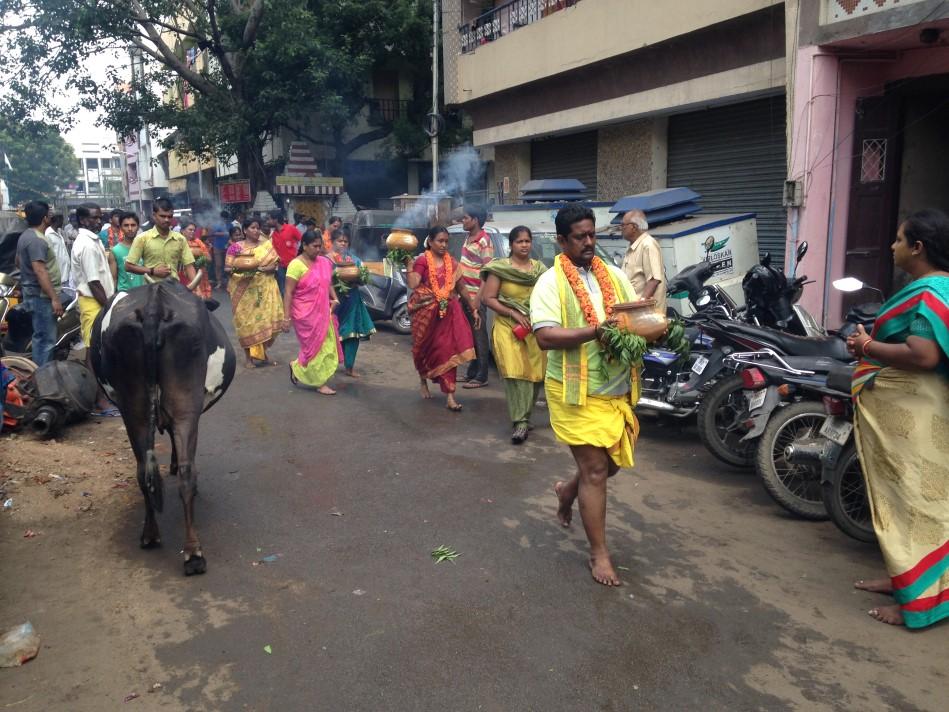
<point x="250" y="165"/>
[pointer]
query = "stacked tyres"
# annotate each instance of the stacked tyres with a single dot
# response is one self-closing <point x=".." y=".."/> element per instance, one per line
<point x="720" y="423"/>
<point x="845" y="496"/>
<point x="796" y="487"/>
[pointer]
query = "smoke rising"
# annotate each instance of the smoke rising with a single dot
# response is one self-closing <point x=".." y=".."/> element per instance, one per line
<point x="461" y="170"/>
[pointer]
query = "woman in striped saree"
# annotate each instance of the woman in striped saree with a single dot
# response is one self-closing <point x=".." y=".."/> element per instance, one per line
<point x="901" y="387"/>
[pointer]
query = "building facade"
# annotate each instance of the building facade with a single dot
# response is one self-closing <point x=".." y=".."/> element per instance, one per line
<point x="99" y="176"/>
<point x="868" y="118"/>
<point x="628" y="96"/>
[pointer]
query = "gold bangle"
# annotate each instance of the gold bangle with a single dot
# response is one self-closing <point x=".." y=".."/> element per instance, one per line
<point x="864" y="348"/>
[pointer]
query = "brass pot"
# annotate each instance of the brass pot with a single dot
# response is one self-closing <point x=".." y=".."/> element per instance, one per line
<point x="348" y="273"/>
<point x="642" y="319"/>
<point x="400" y="239"/>
<point x="246" y="263"/>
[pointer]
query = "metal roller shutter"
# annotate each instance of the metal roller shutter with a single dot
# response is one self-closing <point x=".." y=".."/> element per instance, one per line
<point x="572" y="156"/>
<point x="734" y="156"/>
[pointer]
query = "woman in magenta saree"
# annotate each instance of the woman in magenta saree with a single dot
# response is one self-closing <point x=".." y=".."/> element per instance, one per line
<point x="441" y="337"/>
<point x="309" y="300"/>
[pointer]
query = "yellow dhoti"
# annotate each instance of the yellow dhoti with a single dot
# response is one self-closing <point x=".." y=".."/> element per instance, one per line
<point x="604" y="421"/>
<point x="89" y="309"/>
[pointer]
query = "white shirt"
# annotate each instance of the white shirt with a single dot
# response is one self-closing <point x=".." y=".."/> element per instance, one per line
<point x="58" y="244"/>
<point x="90" y="264"/>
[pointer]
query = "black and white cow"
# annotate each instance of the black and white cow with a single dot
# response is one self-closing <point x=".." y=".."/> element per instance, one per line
<point x="163" y="360"/>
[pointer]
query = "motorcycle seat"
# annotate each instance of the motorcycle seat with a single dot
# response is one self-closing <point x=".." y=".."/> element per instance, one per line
<point x="828" y="346"/>
<point x="839" y="379"/>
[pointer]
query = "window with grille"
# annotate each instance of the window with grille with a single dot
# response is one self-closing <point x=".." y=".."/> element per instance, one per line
<point x="873" y="160"/>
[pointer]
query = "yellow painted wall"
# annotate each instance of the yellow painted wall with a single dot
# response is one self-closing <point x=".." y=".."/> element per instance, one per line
<point x="588" y="32"/>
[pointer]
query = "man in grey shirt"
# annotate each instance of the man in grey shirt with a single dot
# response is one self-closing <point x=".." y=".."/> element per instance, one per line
<point x="39" y="279"/>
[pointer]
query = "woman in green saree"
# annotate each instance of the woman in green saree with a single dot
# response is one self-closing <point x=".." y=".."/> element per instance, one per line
<point x="901" y="389"/>
<point x="508" y="284"/>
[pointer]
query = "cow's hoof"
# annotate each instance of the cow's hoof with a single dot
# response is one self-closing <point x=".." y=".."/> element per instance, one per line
<point x="195" y="565"/>
<point x="148" y="543"/>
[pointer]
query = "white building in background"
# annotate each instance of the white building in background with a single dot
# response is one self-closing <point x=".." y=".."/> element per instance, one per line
<point x="99" y="175"/>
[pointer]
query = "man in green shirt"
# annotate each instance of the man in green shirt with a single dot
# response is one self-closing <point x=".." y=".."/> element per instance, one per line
<point x="161" y="250"/>
<point x="125" y="281"/>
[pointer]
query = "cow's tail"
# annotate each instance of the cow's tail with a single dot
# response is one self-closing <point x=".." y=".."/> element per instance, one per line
<point x="151" y="337"/>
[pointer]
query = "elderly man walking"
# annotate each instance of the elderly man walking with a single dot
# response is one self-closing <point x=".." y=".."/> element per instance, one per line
<point x="643" y="260"/>
<point x="590" y="399"/>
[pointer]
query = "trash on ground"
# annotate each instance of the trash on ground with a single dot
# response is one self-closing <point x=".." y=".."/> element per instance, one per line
<point x="29" y="534"/>
<point x="18" y="645"/>
<point x="8" y="504"/>
<point x="623" y="568"/>
<point x="443" y="553"/>
<point x="131" y="696"/>
<point x="155" y="688"/>
<point x="335" y="512"/>
<point x="359" y="592"/>
<point x="268" y="650"/>
<point x="267" y="559"/>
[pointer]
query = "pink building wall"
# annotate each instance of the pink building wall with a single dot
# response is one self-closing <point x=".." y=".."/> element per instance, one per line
<point x="826" y="88"/>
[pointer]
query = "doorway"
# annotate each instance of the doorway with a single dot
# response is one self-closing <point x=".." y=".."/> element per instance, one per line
<point x="899" y="150"/>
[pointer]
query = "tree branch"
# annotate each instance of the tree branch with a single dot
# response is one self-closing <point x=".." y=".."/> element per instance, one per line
<point x="218" y="47"/>
<point x="163" y="53"/>
<point x="363" y="139"/>
<point x="253" y="23"/>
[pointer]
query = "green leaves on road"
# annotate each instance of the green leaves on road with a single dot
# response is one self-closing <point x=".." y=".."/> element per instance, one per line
<point x="443" y="553"/>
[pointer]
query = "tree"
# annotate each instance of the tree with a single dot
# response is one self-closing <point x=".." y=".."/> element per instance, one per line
<point x="42" y="163"/>
<point x="252" y="67"/>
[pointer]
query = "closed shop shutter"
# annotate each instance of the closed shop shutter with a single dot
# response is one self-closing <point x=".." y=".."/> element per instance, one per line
<point x="734" y="156"/>
<point x="572" y="156"/>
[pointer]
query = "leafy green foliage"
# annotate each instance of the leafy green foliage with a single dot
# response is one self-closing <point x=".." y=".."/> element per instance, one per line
<point x="262" y="66"/>
<point x="42" y="162"/>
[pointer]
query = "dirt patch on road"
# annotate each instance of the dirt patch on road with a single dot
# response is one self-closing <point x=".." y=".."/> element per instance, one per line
<point x="46" y="481"/>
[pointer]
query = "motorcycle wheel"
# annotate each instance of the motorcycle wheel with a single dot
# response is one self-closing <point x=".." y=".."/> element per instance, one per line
<point x="845" y="496"/>
<point x="402" y="321"/>
<point x="797" y="488"/>
<point x="720" y="428"/>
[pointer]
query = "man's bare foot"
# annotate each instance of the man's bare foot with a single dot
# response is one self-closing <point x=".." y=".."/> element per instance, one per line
<point x="423" y="389"/>
<point x="564" y="508"/>
<point x="875" y="586"/>
<point x="602" y="570"/>
<point x="887" y="614"/>
<point x="326" y="391"/>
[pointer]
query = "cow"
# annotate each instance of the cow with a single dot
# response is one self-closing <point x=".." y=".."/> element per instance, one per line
<point x="163" y="360"/>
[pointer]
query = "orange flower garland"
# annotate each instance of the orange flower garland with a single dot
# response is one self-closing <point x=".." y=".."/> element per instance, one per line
<point x="602" y="275"/>
<point x="443" y="292"/>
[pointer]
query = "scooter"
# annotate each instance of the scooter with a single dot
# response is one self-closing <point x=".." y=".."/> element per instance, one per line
<point x="386" y="299"/>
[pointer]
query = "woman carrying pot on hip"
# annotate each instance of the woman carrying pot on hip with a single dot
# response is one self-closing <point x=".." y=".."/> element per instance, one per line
<point x="508" y="284"/>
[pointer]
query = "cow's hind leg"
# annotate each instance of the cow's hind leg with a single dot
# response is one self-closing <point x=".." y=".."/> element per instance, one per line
<point x="185" y="435"/>
<point x="147" y="476"/>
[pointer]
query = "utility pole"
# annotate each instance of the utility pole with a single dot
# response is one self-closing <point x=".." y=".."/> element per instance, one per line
<point x="435" y="127"/>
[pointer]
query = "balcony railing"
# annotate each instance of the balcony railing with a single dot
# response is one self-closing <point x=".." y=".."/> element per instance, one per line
<point x="386" y="111"/>
<point x="506" y="18"/>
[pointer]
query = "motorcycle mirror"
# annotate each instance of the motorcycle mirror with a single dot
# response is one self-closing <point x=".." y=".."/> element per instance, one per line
<point x="766" y="259"/>
<point x="848" y="284"/>
<point x="703" y="299"/>
<point x="801" y="250"/>
<point x="618" y="259"/>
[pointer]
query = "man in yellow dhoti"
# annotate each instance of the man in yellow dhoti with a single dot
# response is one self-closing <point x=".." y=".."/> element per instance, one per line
<point x="590" y="399"/>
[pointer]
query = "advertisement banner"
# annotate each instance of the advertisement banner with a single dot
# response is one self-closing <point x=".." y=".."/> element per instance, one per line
<point x="235" y="191"/>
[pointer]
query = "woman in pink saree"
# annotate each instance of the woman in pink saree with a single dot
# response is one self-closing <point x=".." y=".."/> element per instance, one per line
<point x="309" y="300"/>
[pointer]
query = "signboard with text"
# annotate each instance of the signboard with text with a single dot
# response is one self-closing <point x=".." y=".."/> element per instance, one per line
<point x="235" y="191"/>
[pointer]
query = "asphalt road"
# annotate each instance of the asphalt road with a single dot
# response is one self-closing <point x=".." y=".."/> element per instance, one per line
<point x="727" y="602"/>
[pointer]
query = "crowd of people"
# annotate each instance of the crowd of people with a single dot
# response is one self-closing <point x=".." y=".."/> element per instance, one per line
<point x="547" y="330"/>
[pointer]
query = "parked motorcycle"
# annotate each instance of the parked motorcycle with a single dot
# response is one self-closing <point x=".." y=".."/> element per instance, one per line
<point x="791" y="388"/>
<point x="833" y="450"/>
<point x="19" y="333"/>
